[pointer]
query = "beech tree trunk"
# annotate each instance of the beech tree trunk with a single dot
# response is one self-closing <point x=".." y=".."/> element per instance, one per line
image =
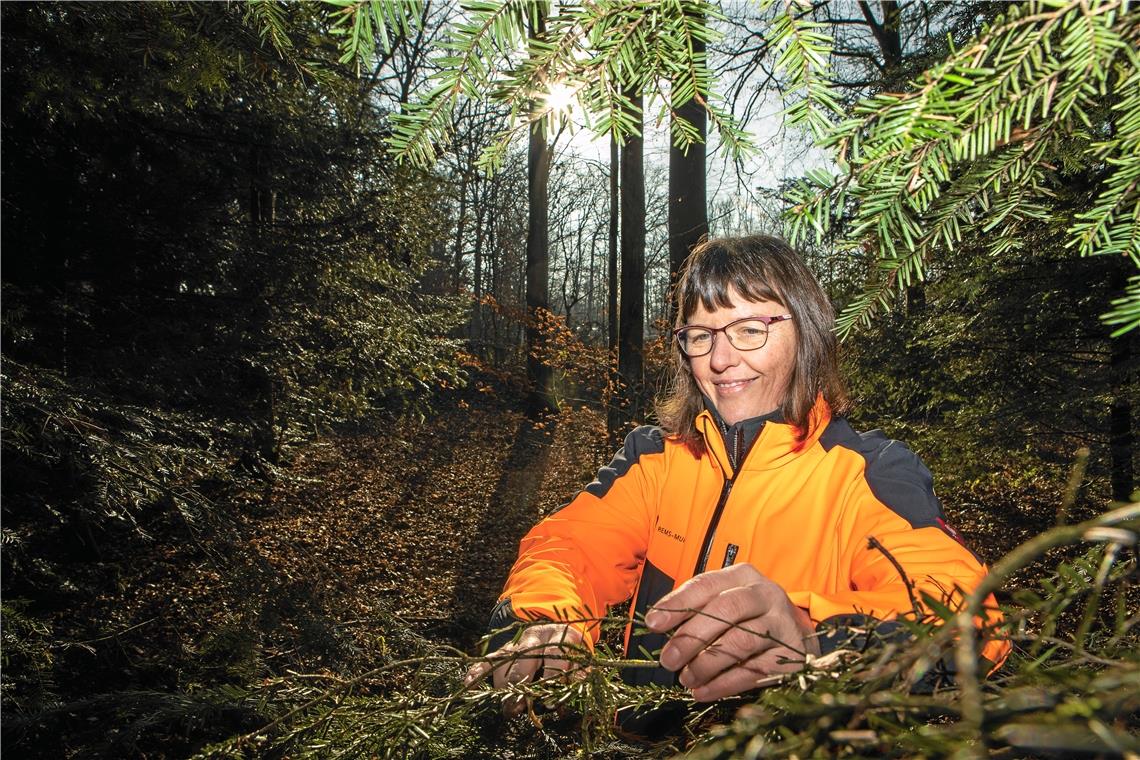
<point x="688" y="210"/>
<point x="539" y="374"/>
<point x="631" y="329"/>
<point x="613" y="413"/>
<point x="612" y="304"/>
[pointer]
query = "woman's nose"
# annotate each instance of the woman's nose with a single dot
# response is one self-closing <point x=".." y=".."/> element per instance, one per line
<point x="723" y="354"/>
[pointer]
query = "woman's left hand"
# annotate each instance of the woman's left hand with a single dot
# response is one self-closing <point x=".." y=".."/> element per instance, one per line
<point x="733" y="628"/>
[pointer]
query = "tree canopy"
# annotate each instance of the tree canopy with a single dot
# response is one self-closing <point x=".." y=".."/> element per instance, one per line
<point x="983" y="142"/>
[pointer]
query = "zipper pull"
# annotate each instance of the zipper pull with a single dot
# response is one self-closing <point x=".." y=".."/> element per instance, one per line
<point x="730" y="555"/>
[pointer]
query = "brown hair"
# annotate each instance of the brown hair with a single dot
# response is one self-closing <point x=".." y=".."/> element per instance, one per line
<point x="760" y="268"/>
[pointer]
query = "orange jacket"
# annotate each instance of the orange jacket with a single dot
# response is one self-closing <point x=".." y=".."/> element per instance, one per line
<point x="802" y="513"/>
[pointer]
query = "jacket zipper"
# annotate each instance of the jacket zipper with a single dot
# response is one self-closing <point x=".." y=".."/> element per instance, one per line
<point x="706" y="545"/>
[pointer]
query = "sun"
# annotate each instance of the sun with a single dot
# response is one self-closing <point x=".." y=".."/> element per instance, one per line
<point x="560" y="98"/>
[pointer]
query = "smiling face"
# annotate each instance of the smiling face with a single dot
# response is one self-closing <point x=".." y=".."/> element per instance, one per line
<point x="744" y="384"/>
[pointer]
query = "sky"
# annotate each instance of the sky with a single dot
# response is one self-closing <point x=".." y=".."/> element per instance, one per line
<point x="780" y="154"/>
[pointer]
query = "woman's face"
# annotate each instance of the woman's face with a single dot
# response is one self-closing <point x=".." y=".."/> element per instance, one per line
<point x="744" y="384"/>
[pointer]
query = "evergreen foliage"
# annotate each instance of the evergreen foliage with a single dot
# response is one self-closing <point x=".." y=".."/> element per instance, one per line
<point x="983" y="144"/>
<point x="208" y="259"/>
<point x="597" y="52"/>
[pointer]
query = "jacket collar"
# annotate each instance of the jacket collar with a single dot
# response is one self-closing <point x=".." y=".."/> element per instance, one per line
<point x="774" y="442"/>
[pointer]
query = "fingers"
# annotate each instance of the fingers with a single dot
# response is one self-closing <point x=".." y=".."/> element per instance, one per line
<point x="733" y="629"/>
<point x="736" y="646"/>
<point x="761" y="670"/>
<point x="525" y="657"/>
<point x="476" y="673"/>
<point x="554" y="661"/>
<point x="511" y="663"/>
<point x="741" y="621"/>
<point x="541" y="646"/>
<point x="678" y="605"/>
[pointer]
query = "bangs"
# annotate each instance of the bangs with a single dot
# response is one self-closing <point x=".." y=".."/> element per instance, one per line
<point x="714" y="277"/>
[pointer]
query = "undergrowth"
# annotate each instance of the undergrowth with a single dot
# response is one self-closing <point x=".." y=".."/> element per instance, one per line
<point x="1071" y="687"/>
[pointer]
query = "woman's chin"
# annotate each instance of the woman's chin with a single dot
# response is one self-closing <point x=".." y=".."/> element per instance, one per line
<point x="733" y="408"/>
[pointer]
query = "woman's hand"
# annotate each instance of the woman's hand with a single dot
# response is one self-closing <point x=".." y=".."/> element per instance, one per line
<point x="733" y="628"/>
<point x="543" y="645"/>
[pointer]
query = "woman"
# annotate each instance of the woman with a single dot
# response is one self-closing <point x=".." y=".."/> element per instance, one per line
<point x="752" y="516"/>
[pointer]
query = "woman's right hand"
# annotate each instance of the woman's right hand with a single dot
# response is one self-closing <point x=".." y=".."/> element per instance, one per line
<point x="732" y="629"/>
<point x="544" y="646"/>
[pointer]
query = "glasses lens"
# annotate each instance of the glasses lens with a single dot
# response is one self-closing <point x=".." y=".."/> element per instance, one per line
<point x="695" y="341"/>
<point x="748" y="334"/>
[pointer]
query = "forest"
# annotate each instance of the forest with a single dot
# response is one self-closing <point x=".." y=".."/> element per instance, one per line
<point x="310" y="311"/>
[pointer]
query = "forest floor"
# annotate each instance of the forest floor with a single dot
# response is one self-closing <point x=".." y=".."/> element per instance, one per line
<point x="425" y="521"/>
<point x="373" y="546"/>
<point x="417" y="526"/>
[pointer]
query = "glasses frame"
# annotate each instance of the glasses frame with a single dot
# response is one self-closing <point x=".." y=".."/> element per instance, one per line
<point x="768" y="322"/>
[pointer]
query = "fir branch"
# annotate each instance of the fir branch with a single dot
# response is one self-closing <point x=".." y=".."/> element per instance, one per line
<point x="973" y="710"/>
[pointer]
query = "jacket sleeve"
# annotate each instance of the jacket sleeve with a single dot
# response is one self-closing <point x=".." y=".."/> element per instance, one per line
<point x="587" y="556"/>
<point x="898" y="547"/>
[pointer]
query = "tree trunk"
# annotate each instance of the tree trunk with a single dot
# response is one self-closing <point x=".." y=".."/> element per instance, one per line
<point x="612" y="295"/>
<point x="477" y="337"/>
<point x="539" y="373"/>
<point x="688" y="210"/>
<point x="1120" y="420"/>
<point x="460" y="230"/>
<point x="613" y="412"/>
<point x="631" y="327"/>
<point x="886" y="32"/>
<point x="888" y="36"/>
<point x="265" y="423"/>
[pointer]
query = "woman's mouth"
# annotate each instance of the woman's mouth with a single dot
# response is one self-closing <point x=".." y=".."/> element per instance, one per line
<point x="731" y="386"/>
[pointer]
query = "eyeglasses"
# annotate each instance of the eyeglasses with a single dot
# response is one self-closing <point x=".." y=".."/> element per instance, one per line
<point x="746" y="334"/>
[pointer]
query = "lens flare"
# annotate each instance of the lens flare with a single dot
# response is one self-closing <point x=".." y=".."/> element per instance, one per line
<point x="560" y="97"/>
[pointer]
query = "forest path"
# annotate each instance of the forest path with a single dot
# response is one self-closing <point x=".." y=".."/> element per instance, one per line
<point x="425" y="522"/>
